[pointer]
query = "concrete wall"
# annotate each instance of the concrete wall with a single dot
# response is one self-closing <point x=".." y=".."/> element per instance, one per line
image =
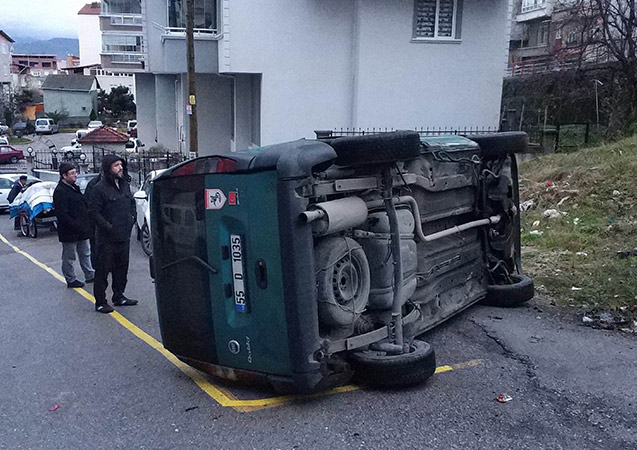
<point x="5" y="61"/>
<point x="165" y="114"/>
<point x="77" y="104"/>
<point x="145" y="101"/>
<point x="90" y="38"/>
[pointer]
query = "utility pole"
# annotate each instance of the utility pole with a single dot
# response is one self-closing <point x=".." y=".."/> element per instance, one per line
<point x="191" y="107"/>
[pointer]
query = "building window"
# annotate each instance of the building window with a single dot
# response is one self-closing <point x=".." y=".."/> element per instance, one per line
<point x="121" y="6"/>
<point x="46" y="64"/>
<point x="126" y="20"/>
<point x="437" y="19"/>
<point x="532" y="5"/>
<point x="126" y="58"/>
<point x="205" y="14"/>
<point x="543" y="34"/>
<point x="112" y="43"/>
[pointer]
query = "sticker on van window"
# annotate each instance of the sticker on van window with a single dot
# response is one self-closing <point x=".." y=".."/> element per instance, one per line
<point x="233" y="197"/>
<point x="215" y="199"/>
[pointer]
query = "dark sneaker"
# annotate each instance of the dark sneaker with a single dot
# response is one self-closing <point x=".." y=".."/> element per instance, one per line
<point x="124" y="302"/>
<point x="74" y="284"/>
<point x="104" y="309"/>
<point x="90" y="280"/>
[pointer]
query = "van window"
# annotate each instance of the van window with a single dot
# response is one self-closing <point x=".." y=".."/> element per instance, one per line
<point x="42" y="122"/>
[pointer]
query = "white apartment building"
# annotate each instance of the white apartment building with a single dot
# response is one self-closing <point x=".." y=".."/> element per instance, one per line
<point x="271" y="71"/>
<point x="5" y="61"/>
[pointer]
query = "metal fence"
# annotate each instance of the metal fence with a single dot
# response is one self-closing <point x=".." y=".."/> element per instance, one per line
<point x="423" y="131"/>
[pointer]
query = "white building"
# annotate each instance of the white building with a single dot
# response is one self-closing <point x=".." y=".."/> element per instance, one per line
<point x="90" y="39"/>
<point x="278" y="70"/>
<point x="5" y="61"/>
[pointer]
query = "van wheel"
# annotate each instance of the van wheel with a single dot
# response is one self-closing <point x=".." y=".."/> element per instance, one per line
<point x="342" y="279"/>
<point x="376" y="148"/>
<point x="508" y="295"/>
<point x="501" y="144"/>
<point x="376" y="368"/>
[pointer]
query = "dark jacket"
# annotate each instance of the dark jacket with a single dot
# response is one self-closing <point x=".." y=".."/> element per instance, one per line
<point x="112" y="208"/>
<point x="15" y="190"/>
<point x="71" y="210"/>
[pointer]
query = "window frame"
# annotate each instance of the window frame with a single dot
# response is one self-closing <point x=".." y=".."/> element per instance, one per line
<point x="455" y="24"/>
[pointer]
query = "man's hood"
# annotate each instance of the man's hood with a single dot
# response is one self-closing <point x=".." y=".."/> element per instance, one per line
<point x="108" y="161"/>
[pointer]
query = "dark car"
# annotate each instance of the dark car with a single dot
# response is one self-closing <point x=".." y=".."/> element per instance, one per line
<point x="22" y="128"/>
<point x="10" y="154"/>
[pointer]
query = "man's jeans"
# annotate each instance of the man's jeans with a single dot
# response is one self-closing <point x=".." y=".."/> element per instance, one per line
<point x="83" y="250"/>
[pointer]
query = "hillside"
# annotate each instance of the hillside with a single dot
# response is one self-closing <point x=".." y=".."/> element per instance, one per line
<point x="585" y="255"/>
<point x="57" y="46"/>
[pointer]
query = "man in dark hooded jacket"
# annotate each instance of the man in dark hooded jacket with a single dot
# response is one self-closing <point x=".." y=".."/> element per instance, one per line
<point x="113" y="210"/>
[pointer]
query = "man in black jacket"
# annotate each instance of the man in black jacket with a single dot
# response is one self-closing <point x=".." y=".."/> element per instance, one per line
<point x="113" y="211"/>
<point x="17" y="187"/>
<point x="71" y="210"/>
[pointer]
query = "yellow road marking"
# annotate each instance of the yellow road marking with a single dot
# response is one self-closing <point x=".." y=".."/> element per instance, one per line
<point x="220" y="395"/>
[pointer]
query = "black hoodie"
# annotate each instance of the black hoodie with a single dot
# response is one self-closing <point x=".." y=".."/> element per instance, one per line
<point x="112" y="208"/>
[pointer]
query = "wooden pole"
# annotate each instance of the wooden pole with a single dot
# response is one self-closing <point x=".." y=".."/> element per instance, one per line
<point x="190" y="77"/>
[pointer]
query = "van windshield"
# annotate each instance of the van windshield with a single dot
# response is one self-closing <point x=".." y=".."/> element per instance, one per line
<point x="41" y="122"/>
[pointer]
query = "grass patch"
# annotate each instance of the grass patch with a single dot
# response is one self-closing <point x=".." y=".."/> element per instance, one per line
<point x="19" y="140"/>
<point x="574" y="257"/>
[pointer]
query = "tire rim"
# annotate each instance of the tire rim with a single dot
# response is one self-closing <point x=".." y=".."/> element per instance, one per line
<point x="146" y="242"/>
<point x="24" y="225"/>
<point x="346" y="280"/>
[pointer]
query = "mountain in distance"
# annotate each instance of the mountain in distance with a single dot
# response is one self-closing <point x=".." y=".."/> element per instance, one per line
<point x="56" y="46"/>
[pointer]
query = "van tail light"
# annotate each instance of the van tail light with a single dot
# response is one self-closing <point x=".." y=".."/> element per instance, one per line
<point x="201" y="166"/>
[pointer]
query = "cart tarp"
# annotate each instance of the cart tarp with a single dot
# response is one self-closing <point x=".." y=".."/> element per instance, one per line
<point x="36" y="199"/>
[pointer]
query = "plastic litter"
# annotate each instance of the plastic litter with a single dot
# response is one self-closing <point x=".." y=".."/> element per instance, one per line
<point x="536" y="233"/>
<point x="562" y="201"/>
<point x="527" y="205"/>
<point x="581" y="254"/>
<point x="536" y="224"/>
<point x="616" y="193"/>
<point x="587" y="319"/>
<point x="504" y="398"/>
<point x="549" y="183"/>
<point x="574" y="288"/>
<point x="552" y="214"/>
<point x="624" y="255"/>
<point x="55" y="408"/>
<point x="576" y="220"/>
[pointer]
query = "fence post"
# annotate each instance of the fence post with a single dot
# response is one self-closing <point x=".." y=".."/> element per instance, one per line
<point x="588" y="128"/>
<point x="557" y="137"/>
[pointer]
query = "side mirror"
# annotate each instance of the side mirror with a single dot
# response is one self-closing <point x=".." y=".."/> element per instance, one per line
<point x="140" y="195"/>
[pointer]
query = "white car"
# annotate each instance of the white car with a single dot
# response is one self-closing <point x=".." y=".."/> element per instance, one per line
<point x="95" y="124"/>
<point x="4" y="128"/>
<point x="6" y="183"/>
<point x="142" y="203"/>
<point x="46" y="126"/>
<point x="133" y="145"/>
<point x="79" y="134"/>
<point x="4" y="140"/>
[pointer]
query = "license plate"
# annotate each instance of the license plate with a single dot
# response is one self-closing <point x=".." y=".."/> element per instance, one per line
<point x="238" y="279"/>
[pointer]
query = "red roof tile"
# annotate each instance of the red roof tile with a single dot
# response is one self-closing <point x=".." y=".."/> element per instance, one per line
<point x="104" y="135"/>
<point x="91" y="8"/>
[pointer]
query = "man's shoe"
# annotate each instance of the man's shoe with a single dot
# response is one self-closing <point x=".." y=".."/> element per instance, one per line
<point x="74" y="284"/>
<point x="90" y="280"/>
<point x="104" y="309"/>
<point x="124" y="302"/>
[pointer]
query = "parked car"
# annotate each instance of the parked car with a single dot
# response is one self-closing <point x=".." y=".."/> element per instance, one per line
<point x="69" y="152"/>
<point x="308" y="263"/>
<point x="131" y="128"/>
<point x="22" y="128"/>
<point x="3" y="128"/>
<point x="95" y="124"/>
<point x="10" y="155"/>
<point x="133" y="145"/>
<point x="46" y="126"/>
<point x="142" y="204"/>
<point x="4" y="140"/>
<point x="83" y="180"/>
<point x="79" y="134"/>
<point x="6" y="183"/>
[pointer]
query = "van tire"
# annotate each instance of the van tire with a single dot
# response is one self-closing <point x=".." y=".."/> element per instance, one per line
<point x="509" y="295"/>
<point x="375" y="368"/>
<point x="376" y="148"/>
<point x="495" y="145"/>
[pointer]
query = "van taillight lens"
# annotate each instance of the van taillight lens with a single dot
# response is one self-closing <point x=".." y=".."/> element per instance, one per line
<point x="203" y="166"/>
<point x="226" y="165"/>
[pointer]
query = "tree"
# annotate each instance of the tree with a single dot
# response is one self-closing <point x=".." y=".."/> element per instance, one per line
<point x="605" y="32"/>
<point x="116" y="104"/>
<point x="93" y="115"/>
<point x="58" y="116"/>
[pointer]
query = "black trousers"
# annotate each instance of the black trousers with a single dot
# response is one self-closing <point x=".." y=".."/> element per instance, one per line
<point x="111" y="257"/>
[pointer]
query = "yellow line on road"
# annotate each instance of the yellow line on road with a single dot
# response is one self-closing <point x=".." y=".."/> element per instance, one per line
<point x="220" y="395"/>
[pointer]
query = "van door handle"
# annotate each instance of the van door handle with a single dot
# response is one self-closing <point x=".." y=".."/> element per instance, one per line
<point x="261" y="274"/>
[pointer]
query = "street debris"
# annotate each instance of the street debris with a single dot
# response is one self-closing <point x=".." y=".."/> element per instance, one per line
<point x="536" y="224"/>
<point x="549" y="183"/>
<point x="624" y="255"/>
<point x="561" y="202"/>
<point x="616" y="193"/>
<point x="576" y="220"/>
<point x="191" y="408"/>
<point x="581" y="254"/>
<point x="527" y="205"/>
<point x="55" y="408"/>
<point x="536" y="233"/>
<point x="608" y="321"/>
<point x="574" y="288"/>
<point x="587" y="319"/>
<point x="553" y="214"/>
<point x="504" y="398"/>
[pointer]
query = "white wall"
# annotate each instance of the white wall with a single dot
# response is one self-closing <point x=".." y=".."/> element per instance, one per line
<point x="90" y="38"/>
<point x="5" y="61"/>
<point x="146" y="106"/>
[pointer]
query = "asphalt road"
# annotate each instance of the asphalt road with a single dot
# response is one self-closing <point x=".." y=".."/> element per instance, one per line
<point x="572" y="387"/>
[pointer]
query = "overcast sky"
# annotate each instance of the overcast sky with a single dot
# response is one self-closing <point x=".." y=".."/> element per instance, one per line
<point x="41" y="19"/>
